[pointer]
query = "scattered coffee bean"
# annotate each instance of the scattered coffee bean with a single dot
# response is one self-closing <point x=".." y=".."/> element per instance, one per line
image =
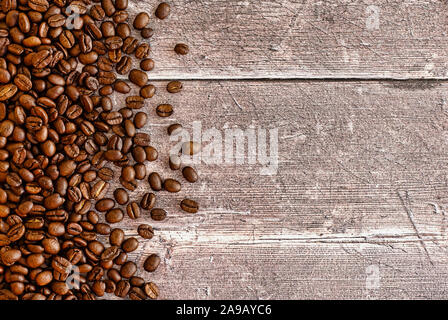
<point x="152" y="263"/>
<point x="189" y="206"/>
<point x="145" y="231"/>
<point x="190" y="174"/>
<point x="181" y="49"/>
<point x="163" y="10"/>
<point x="174" y="86"/>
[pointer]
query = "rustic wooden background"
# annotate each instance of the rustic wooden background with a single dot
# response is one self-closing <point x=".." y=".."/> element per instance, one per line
<point x="356" y="209"/>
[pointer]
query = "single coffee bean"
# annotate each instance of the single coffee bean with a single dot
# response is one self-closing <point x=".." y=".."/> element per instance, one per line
<point x="148" y="201"/>
<point x="140" y="171"/>
<point x="137" y="294"/>
<point x="137" y="281"/>
<point x="130" y="245"/>
<point x="190" y="174"/>
<point x="147" y="33"/>
<point x="135" y="102"/>
<point x="142" y="51"/>
<point x="105" y="205"/>
<point x="147" y="64"/>
<point x="158" y="214"/>
<point x="106" y="174"/>
<point x="141" y="139"/>
<point x="121" y="196"/>
<point x="122" y="289"/>
<point x="174" y="87"/>
<point x="172" y="185"/>
<point x="128" y="269"/>
<point x="151" y="263"/>
<point x="174" y="128"/>
<point x="189" y="206"/>
<point x="151" y="153"/>
<point x="133" y="210"/>
<point x="128" y="173"/>
<point x="175" y="162"/>
<point x="116" y="237"/>
<point x="141" y="20"/>
<point x="147" y="91"/>
<point x="163" y="10"/>
<point x="151" y="290"/>
<point x="140" y="120"/>
<point x="145" y="231"/>
<point x="121" y="4"/>
<point x="138" y="77"/>
<point x="114" y="216"/>
<point x="155" y="181"/>
<point x="181" y="49"/>
<point x="124" y="65"/>
<point x="164" y="110"/>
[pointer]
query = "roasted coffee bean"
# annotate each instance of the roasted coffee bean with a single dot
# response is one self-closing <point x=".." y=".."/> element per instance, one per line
<point x="145" y="231"/>
<point x="164" y="110"/>
<point x="141" y="139"/>
<point x="124" y="65"/>
<point x="122" y="289"/>
<point x="189" y="206"/>
<point x="175" y="162"/>
<point x="155" y="181"/>
<point x="147" y="33"/>
<point x="172" y="185"/>
<point x="148" y="201"/>
<point x="122" y="87"/>
<point x="7" y="91"/>
<point x="116" y="237"/>
<point x="141" y="20"/>
<point x="130" y="245"/>
<point x="151" y="290"/>
<point x="151" y="263"/>
<point x="163" y="10"/>
<point x="129" y="45"/>
<point x="106" y="174"/>
<point x="128" y="269"/>
<point x="181" y="49"/>
<point x="110" y="253"/>
<point x="190" y="174"/>
<point x="133" y="210"/>
<point x="174" y="87"/>
<point x="140" y="171"/>
<point x="147" y="91"/>
<point x="114" y="216"/>
<point x="104" y="205"/>
<point x="62" y="140"/>
<point x="121" y="196"/>
<point x="151" y="153"/>
<point x="140" y="120"/>
<point x="147" y="64"/>
<point x="142" y="51"/>
<point x="158" y="214"/>
<point x="138" y="77"/>
<point x="137" y="294"/>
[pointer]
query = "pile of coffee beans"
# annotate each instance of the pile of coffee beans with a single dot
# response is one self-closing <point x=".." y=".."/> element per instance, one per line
<point x="64" y="144"/>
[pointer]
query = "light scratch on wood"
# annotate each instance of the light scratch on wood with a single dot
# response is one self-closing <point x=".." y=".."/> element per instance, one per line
<point x="234" y="100"/>
<point x="411" y="219"/>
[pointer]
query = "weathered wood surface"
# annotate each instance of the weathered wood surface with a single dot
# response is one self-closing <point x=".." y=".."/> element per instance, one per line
<point x="302" y="39"/>
<point x="361" y="186"/>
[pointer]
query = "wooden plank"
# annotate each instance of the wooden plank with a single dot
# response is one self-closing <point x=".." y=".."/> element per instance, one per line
<point x="235" y="39"/>
<point x="361" y="182"/>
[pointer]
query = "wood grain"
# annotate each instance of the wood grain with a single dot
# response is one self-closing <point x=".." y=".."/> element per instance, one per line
<point x="283" y="39"/>
<point x="361" y="182"/>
